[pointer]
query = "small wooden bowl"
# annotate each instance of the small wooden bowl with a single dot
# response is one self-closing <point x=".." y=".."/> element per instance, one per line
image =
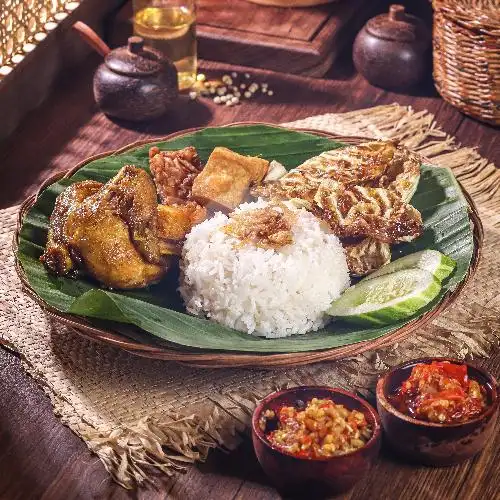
<point x="316" y="477"/>
<point x="431" y="443"/>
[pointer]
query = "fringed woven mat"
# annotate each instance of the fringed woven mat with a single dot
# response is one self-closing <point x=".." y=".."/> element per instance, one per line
<point x="137" y="414"/>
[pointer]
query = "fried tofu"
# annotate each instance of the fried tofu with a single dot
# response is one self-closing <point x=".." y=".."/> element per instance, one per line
<point x="226" y="178"/>
<point x="175" y="221"/>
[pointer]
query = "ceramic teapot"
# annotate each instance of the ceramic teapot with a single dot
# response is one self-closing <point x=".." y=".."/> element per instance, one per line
<point x="134" y="82"/>
<point x="392" y="50"/>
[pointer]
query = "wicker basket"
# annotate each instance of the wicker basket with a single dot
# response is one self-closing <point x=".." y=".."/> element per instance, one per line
<point x="467" y="56"/>
<point x="216" y="359"/>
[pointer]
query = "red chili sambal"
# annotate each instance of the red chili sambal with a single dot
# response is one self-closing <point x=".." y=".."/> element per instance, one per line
<point x="440" y="392"/>
<point x="318" y="429"/>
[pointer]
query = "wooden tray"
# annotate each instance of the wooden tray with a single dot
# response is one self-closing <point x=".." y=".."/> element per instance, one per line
<point x="302" y="41"/>
<point x="213" y="359"/>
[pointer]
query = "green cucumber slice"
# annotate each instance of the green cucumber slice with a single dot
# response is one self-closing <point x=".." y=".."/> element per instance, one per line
<point x="438" y="264"/>
<point x="387" y="299"/>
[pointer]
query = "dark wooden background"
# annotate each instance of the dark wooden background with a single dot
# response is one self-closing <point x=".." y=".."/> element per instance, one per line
<point x="39" y="457"/>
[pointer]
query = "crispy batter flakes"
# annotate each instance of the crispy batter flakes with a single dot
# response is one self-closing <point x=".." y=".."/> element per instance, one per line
<point x="174" y="173"/>
<point x="367" y="255"/>
<point x="269" y="227"/>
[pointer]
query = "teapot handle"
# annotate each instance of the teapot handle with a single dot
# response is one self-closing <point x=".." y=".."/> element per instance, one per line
<point x="92" y="38"/>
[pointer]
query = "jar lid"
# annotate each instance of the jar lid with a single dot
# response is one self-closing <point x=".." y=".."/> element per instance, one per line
<point x="134" y="59"/>
<point x="399" y="26"/>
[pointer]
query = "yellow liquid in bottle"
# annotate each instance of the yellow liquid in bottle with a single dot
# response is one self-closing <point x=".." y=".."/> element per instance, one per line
<point x="172" y="31"/>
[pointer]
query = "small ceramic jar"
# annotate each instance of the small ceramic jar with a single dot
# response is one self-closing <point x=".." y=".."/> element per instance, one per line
<point x="135" y="82"/>
<point x="392" y="50"/>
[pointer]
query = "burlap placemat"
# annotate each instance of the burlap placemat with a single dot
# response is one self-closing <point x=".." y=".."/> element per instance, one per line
<point x="138" y="414"/>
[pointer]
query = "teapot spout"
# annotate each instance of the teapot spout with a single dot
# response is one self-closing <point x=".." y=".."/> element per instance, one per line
<point x="92" y="38"/>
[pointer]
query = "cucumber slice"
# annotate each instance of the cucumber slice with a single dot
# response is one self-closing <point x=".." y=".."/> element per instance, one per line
<point x="436" y="263"/>
<point x="387" y="299"/>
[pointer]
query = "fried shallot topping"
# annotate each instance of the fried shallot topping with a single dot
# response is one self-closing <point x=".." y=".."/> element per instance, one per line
<point x="174" y="173"/>
<point x="268" y="228"/>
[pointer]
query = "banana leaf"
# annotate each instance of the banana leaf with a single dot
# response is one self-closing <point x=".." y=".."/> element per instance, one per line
<point x="158" y="311"/>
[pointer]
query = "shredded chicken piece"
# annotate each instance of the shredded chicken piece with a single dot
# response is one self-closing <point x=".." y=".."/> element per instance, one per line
<point x="269" y="227"/>
<point x="174" y="173"/>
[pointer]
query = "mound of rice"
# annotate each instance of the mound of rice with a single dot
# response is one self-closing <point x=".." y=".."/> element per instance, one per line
<point x="264" y="292"/>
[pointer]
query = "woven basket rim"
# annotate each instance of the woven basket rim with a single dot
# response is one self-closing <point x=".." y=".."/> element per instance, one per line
<point x="220" y="359"/>
<point x="481" y="22"/>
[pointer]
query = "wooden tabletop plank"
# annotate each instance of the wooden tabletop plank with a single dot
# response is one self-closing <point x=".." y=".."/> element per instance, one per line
<point x="291" y="24"/>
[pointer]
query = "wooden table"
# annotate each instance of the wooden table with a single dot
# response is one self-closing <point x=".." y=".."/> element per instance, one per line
<point x="39" y="457"/>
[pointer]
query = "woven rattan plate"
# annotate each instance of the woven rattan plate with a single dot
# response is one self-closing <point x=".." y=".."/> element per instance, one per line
<point x="217" y="359"/>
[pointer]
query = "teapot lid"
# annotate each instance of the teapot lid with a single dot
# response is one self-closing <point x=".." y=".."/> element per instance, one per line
<point x="135" y="59"/>
<point x="398" y="26"/>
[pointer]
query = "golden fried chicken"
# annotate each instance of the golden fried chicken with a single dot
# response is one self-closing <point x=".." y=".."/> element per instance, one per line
<point x="112" y="234"/>
<point x="175" y="221"/>
<point x="359" y="211"/>
<point x="58" y="256"/>
<point x="174" y="173"/>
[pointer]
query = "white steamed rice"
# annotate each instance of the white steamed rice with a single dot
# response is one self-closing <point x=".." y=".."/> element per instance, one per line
<point x="271" y="293"/>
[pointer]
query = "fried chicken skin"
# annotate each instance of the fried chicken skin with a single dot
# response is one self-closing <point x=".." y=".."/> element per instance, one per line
<point x="58" y="255"/>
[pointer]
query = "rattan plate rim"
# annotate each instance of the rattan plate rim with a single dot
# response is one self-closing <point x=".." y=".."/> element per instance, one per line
<point x="214" y="359"/>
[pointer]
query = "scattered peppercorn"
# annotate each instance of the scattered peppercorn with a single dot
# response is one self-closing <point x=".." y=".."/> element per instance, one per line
<point x="229" y="89"/>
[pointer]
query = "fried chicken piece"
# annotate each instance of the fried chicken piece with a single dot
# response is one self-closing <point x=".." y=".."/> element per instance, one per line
<point x="175" y="221"/>
<point x="358" y="211"/>
<point x="115" y="234"/>
<point x="174" y="173"/>
<point x="58" y="256"/>
<point x="366" y="256"/>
